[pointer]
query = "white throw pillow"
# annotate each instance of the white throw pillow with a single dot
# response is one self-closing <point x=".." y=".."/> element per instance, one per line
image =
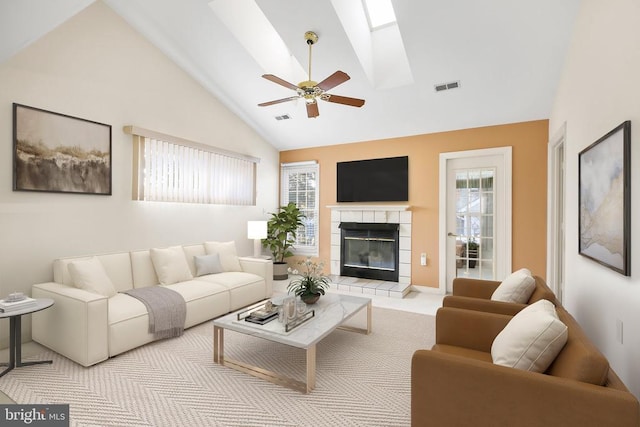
<point x="517" y="287"/>
<point x="89" y="274"/>
<point x="171" y="265"/>
<point x="546" y="306"/>
<point x="207" y="264"/>
<point x="531" y="340"/>
<point x="227" y="253"/>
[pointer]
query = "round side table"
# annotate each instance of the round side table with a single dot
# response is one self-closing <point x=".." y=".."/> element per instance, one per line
<point x="15" y="331"/>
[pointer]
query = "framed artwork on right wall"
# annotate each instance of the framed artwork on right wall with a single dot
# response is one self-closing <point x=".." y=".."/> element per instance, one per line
<point x="604" y="200"/>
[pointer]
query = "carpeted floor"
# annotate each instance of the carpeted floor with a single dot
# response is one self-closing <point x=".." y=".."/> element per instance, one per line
<point x="362" y="380"/>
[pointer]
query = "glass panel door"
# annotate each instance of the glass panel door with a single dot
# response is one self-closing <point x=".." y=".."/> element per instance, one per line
<point x="475" y="223"/>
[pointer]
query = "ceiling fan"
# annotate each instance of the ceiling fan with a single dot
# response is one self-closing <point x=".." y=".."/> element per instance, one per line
<point x="311" y="91"/>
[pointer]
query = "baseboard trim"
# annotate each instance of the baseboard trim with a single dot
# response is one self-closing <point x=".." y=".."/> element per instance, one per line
<point x="426" y="290"/>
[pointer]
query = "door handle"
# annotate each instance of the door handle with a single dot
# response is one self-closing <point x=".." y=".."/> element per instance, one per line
<point x="450" y="234"/>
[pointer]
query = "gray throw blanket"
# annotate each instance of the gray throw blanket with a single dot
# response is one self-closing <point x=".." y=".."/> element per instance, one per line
<point x="167" y="310"/>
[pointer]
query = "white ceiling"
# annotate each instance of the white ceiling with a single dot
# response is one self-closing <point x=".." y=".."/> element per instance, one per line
<point x="507" y="55"/>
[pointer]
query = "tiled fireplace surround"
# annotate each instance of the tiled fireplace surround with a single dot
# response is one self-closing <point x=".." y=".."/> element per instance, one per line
<point x="394" y="214"/>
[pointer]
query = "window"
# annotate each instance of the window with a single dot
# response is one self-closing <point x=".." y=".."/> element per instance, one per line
<point x="299" y="184"/>
<point x="169" y="169"/>
<point x="379" y="13"/>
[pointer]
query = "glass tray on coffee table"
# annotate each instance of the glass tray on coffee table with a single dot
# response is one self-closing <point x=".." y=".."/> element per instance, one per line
<point x="272" y="324"/>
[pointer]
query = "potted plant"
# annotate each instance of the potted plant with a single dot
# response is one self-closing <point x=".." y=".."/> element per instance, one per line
<point x="281" y="235"/>
<point x="472" y="252"/>
<point x="312" y="282"/>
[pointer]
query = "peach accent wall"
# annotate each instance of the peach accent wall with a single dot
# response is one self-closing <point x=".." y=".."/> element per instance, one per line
<point x="529" y="142"/>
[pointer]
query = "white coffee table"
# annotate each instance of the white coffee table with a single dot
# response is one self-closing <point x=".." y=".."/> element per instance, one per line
<point x="331" y="311"/>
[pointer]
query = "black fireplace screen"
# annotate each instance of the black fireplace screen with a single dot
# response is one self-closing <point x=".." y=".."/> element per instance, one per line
<point x="370" y="250"/>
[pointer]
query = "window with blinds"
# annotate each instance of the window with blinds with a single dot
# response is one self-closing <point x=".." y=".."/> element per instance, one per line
<point x="170" y="169"/>
<point x="300" y="185"/>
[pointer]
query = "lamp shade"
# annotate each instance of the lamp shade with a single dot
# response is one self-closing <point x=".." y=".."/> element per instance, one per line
<point x="256" y="229"/>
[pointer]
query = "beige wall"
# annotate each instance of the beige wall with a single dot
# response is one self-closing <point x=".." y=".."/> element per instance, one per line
<point x="605" y="49"/>
<point x="529" y="142"/>
<point x="95" y="66"/>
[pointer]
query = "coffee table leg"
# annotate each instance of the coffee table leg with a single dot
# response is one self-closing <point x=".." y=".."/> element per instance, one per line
<point x="218" y="345"/>
<point x="311" y="368"/>
<point x="306" y="387"/>
<point x="366" y="330"/>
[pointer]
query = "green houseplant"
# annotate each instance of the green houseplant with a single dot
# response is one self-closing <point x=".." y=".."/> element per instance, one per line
<point x="281" y="236"/>
<point x="472" y="252"/>
<point x="312" y="282"/>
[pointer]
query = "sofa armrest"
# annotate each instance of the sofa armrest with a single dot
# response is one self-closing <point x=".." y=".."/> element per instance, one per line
<point x="475" y="288"/>
<point x="261" y="267"/>
<point x="469" y="329"/>
<point x="448" y="389"/>
<point x="479" y="304"/>
<point x="76" y="326"/>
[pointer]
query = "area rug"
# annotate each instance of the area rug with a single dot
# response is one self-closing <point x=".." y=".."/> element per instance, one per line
<point x="362" y="380"/>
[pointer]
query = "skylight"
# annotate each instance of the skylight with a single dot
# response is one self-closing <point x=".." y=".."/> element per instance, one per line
<point x="379" y="13"/>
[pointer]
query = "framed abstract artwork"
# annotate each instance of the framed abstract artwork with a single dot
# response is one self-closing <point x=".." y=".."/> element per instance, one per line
<point x="57" y="153"/>
<point x="605" y="200"/>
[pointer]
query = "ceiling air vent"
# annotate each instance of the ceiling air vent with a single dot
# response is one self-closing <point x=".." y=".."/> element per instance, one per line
<point x="283" y="117"/>
<point x="446" y="86"/>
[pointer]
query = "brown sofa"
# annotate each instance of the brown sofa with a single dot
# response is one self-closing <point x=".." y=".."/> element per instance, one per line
<point x="456" y="384"/>
<point x="475" y="294"/>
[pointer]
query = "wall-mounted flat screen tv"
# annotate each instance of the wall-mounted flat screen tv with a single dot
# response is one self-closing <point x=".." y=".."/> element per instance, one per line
<point x="375" y="180"/>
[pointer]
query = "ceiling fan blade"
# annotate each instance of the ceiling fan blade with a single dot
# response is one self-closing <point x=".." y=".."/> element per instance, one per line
<point x="279" y="81"/>
<point x="312" y="110"/>
<point x="352" y="102"/>
<point x="333" y="80"/>
<point x="278" y="101"/>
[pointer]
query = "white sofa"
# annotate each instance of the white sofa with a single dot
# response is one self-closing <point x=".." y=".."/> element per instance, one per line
<point x="88" y="327"/>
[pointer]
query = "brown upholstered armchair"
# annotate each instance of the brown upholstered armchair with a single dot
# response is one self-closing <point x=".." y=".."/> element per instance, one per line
<point x="456" y="383"/>
<point x="475" y="294"/>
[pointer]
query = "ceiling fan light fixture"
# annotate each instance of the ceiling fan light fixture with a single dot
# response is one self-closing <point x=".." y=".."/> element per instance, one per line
<point x="310" y="90"/>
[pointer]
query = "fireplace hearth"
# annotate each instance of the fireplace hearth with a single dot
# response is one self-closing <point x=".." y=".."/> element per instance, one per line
<point x="370" y="250"/>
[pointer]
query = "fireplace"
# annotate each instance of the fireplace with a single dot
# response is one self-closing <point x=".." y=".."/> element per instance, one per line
<point x="370" y="250"/>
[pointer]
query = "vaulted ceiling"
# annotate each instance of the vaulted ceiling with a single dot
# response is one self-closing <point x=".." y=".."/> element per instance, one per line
<point x="506" y="55"/>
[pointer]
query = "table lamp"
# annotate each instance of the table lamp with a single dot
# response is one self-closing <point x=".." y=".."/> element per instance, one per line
<point x="257" y="230"/>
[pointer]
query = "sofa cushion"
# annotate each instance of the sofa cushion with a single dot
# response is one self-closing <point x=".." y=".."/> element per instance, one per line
<point x="191" y="251"/>
<point x="89" y="274"/>
<point x="207" y="264"/>
<point x="531" y="340"/>
<point x="116" y="265"/>
<point x="227" y="252"/>
<point x="144" y="274"/>
<point x="123" y="307"/>
<point x="517" y="287"/>
<point x="170" y="265"/>
<point x="232" y="279"/>
<point x="195" y="289"/>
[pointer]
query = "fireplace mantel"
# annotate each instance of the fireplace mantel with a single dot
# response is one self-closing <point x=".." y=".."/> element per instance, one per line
<point x="351" y="207"/>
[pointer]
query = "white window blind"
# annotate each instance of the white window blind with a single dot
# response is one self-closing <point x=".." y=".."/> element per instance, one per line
<point x="170" y="169"/>
<point x="300" y="185"/>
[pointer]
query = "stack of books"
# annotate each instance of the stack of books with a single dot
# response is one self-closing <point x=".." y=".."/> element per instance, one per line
<point x="262" y="316"/>
<point x="13" y="304"/>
